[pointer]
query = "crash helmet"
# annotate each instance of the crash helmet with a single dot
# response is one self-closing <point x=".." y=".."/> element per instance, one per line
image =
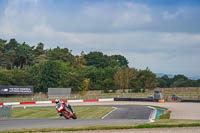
<point x="57" y="101"/>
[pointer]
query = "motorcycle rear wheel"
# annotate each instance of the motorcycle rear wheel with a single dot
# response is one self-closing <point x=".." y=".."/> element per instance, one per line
<point x="74" y="116"/>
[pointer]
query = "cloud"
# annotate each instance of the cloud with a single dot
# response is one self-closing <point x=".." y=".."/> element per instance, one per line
<point x="21" y="16"/>
<point x="133" y="14"/>
<point x="106" y="17"/>
<point x="170" y="16"/>
<point x="134" y="30"/>
<point x="165" y="63"/>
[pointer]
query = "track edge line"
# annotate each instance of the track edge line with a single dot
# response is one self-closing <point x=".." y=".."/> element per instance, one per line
<point x="115" y="108"/>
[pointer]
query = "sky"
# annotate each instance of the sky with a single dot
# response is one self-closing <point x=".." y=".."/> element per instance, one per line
<point x="163" y="35"/>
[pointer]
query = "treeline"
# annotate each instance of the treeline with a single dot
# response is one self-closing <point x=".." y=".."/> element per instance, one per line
<point x="22" y="64"/>
<point x="177" y="81"/>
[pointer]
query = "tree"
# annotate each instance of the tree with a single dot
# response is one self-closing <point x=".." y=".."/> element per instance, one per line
<point x="2" y="46"/>
<point x="13" y="77"/>
<point x="123" y="62"/>
<point x="10" y="54"/>
<point x="61" y="54"/>
<point x="40" y="54"/>
<point x="5" y="77"/>
<point x="12" y="44"/>
<point x="50" y="74"/>
<point x="10" y="57"/>
<point x="16" y="55"/>
<point x="84" y="86"/>
<point x="108" y="85"/>
<point x="19" y="77"/>
<point x="164" y="82"/>
<point x="179" y="81"/>
<point x="2" y="51"/>
<point x="179" y="77"/>
<point x="79" y="61"/>
<point x="198" y="82"/>
<point x="99" y="60"/>
<point x="95" y="59"/>
<point x="123" y="78"/>
<point x="39" y="50"/>
<point x="148" y="79"/>
<point x="24" y="56"/>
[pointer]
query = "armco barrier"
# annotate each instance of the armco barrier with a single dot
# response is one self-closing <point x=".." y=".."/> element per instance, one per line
<point x="133" y="99"/>
<point x="193" y="101"/>
<point x="90" y="100"/>
<point x="28" y="102"/>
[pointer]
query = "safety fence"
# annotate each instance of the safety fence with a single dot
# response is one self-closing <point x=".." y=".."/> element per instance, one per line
<point x="5" y="111"/>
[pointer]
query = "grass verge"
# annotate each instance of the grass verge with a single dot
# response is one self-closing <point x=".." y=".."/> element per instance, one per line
<point x="86" y="112"/>
<point x="165" y="115"/>
<point x="136" y="126"/>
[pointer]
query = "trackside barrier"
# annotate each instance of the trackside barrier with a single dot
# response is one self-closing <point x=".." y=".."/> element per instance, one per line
<point x="50" y="102"/>
<point x="13" y="103"/>
<point x="75" y="101"/>
<point x="42" y="102"/>
<point x="195" y="101"/>
<point x="5" y="111"/>
<point x="88" y="100"/>
<point x="133" y="99"/>
<point x="106" y="100"/>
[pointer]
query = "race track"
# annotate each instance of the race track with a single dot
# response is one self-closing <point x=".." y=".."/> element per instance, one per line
<point x="122" y="115"/>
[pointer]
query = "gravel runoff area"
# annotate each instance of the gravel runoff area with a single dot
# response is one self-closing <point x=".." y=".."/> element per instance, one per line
<point x="154" y="130"/>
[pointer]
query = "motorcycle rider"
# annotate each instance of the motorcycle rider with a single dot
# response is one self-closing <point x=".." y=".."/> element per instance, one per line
<point x="65" y="105"/>
<point x="57" y="103"/>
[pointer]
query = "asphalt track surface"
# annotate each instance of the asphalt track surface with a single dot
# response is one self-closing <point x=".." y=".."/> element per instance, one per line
<point x="122" y="115"/>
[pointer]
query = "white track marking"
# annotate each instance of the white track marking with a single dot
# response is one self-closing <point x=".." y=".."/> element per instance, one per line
<point x="152" y="116"/>
<point x="115" y="108"/>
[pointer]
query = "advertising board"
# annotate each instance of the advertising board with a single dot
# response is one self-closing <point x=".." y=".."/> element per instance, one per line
<point x="16" y="90"/>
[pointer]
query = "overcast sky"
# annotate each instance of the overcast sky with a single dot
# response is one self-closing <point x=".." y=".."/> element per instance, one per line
<point x="163" y="35"/>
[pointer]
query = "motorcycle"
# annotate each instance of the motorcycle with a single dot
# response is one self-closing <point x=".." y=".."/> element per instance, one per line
<point x="65" y="111"/>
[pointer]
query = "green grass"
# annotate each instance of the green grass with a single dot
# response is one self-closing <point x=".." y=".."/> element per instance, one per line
<point x="175" y="121"/>
<point x="165" y="115"/>
<point x="84" y="112"/>
<point x="135" y="126"/>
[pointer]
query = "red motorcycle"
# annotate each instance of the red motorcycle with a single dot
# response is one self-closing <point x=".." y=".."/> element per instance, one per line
<point x="65" y="111"/>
